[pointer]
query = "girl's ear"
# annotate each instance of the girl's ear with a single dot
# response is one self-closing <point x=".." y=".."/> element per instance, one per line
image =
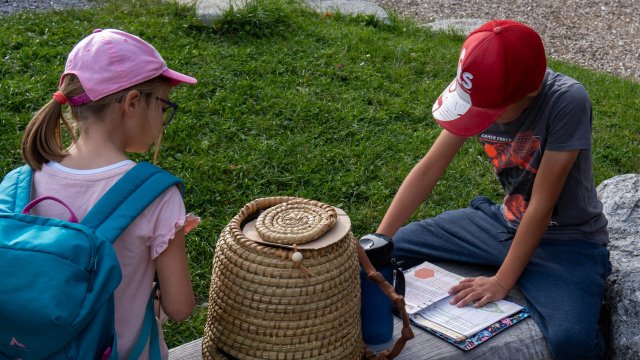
<point x="132" y="102"/>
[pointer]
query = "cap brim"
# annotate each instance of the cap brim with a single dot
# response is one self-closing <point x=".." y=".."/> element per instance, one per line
<point x="453" y="112"/>
<point x="178" y="78"/>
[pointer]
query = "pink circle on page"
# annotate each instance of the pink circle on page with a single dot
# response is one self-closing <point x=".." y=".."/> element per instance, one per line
<point x="424" y="273"/>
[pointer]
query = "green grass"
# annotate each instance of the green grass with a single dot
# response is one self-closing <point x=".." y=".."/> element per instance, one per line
<point x="290" y="102"/>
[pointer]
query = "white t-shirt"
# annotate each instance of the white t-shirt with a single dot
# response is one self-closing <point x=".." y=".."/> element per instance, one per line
<point x="138" y="246"/>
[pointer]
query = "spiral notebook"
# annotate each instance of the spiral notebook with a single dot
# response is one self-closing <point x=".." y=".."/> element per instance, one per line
<point x="428" y="307"/>
<point x="469" y="342"/>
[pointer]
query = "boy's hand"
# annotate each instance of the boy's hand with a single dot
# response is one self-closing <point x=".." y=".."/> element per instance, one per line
<point x="479" y="290"/>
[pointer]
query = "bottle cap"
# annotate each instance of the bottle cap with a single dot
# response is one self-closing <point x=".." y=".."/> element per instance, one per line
<point x="378" y="248"/>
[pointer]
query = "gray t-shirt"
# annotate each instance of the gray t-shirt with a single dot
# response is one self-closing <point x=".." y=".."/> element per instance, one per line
<point x="559" y="119"/>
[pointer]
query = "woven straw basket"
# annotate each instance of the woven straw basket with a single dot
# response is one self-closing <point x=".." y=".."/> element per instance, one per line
<point x="284" y="293"/>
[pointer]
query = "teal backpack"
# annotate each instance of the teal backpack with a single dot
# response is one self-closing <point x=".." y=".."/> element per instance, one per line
<point x="58" y="276"/>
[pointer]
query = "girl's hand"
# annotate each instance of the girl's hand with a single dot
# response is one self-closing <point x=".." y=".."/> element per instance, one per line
<point x="479" y="290"/>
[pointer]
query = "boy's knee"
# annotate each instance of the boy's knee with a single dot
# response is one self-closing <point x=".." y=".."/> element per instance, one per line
<point x="404" y="248"/>
<point x="404" y="241"/>
<point x="571" y="343"/>
<point x="400" y="237"/>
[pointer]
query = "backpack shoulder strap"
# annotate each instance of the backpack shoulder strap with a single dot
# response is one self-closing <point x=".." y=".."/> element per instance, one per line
<point x="127" y="198"/>
<point x="15" y="190"/>
<point x="149" y="332"/>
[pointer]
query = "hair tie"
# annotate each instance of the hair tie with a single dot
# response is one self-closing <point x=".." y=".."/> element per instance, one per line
<point x="79" y="100"/>
<point x="60" y="98"/>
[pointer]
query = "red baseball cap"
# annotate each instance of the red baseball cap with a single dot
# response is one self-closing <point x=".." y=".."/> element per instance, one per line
<point x="500" y="63"/>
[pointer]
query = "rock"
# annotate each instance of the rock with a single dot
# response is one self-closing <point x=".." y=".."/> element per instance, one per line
<point x="351" y="7"/>
<point x="209" y="10"/>
<point x="456" y="26"/>
<point x="620" y="197"/>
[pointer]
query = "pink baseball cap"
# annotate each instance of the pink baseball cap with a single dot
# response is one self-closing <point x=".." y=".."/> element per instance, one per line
<point x="500" y="63"/>
<point x="109" y="60"/>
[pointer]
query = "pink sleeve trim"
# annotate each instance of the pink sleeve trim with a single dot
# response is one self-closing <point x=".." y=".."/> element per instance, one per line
<point x="187" y="223"/>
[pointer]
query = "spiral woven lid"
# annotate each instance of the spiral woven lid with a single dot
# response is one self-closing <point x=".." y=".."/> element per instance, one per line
<point x="305" y="223"/>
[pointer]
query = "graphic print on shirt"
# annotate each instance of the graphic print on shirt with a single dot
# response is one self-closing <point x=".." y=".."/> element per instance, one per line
<point x="515" y="163"/>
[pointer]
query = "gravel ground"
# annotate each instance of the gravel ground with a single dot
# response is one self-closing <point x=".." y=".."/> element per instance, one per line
<point x="602" y="35"/>
<point x="11" y="6"/>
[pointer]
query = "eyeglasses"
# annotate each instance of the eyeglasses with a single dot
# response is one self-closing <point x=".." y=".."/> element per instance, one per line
<point x="168" y="115"/>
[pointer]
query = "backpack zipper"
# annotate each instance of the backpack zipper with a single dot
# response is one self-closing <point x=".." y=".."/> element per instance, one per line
<point x="93" y="266"/>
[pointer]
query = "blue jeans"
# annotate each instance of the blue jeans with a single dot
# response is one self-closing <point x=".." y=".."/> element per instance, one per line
<point x="564" y="282"/>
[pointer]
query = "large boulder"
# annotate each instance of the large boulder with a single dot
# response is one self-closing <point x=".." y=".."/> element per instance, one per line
<point x="620" y="196"/>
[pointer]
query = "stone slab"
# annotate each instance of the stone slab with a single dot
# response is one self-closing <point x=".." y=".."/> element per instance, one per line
<point x="350" y="7"/>
<point x="209" y="10"/>
<point x="188" y="351"/>
<point x="456" y="26"/>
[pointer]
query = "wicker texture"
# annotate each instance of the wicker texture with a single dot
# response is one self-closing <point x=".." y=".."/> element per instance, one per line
<point x="265" y="305"/>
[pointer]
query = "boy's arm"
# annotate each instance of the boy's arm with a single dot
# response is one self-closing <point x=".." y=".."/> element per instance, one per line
<point x="420" y="181"/>
<point x="549" y="182"/>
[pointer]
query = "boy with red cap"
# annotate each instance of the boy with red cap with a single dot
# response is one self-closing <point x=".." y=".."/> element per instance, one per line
<point x="549" y="236"/>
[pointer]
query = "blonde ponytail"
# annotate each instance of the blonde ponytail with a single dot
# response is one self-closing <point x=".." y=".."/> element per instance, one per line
<point x="43" y="137"/>
<point x="42" y="141"/>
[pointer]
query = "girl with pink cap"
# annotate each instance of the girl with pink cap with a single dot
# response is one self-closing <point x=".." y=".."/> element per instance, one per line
<point x="117" y="87"/>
